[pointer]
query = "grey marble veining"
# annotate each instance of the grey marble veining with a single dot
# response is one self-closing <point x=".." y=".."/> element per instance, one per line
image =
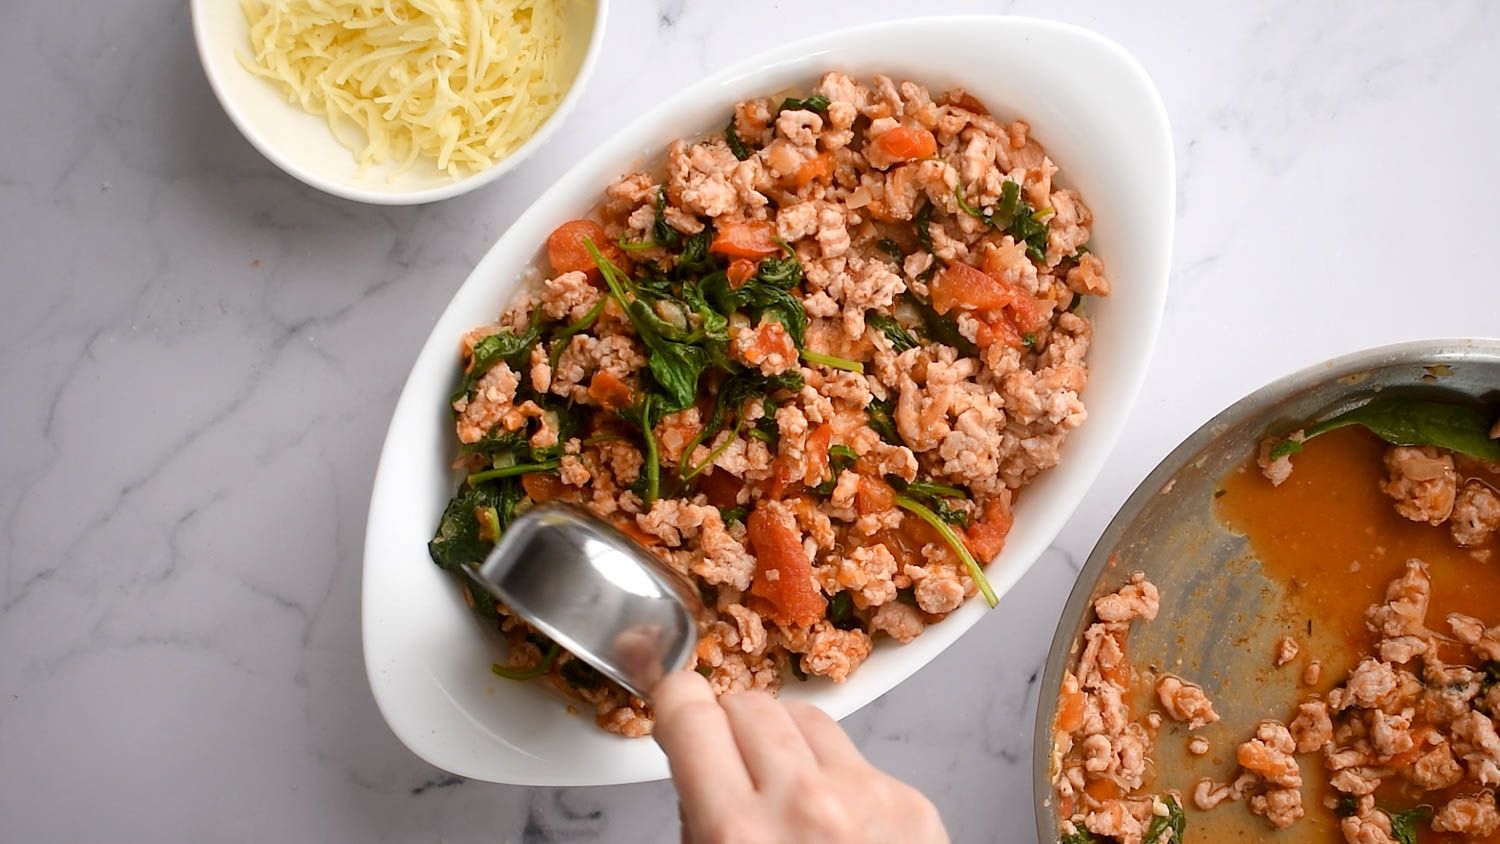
<point x="200" y="356"/>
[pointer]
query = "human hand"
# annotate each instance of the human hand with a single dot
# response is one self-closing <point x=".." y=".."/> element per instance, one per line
<point x="750" y="768"/>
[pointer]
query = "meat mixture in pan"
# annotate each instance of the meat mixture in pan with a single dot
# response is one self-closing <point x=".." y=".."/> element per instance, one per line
<point x="810" y="363"/>
<point x="1401" y="744"/>
<point x="1101" y="753"/>
<point x="1419" y="710"/>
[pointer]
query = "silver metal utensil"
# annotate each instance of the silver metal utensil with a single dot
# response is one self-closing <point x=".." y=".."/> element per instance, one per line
<point x="595" y="592"/>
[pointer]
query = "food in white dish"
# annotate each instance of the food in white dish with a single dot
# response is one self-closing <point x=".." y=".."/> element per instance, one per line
<point x="810" y="363"/>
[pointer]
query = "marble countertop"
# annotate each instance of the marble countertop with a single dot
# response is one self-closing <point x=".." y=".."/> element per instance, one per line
<point x="200" y="356"/>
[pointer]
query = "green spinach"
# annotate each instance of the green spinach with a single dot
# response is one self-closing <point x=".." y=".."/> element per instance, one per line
<point x="923" y="222"/>
<point x="1014" y="216"/>
<point x="832" y="361"/>
<point x="976" y="571"/>
<point x="785" y="273"/>
<point x="736" y="143"/>
<point x="900" y="338"/>
<point x="1404" y="824"/>
<point x="531" y="673"/>
<point x="879" y="413"/>
<point x="459" y="541"/>
<point x="564" y="335"/>
<point x="1402" y="421"/>
<point x="933" y="495"/>
<point x="662" y="231"/>
<point x="816" y="102"/>
<point x="507" y="346"/>
<point x="512" y="471"/>
<point x="646" y="413"/>
<point x="841" y="612"/>
<point x="840" y="457"/>
<point x="942" y="328"/>
<point x="1174" y="820"/>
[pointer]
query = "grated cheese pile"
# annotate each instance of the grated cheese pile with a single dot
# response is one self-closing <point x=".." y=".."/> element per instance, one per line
<point x="460" y="82"/>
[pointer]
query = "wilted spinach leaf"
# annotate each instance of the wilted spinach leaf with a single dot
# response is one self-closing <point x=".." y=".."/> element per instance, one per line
<point x="881" y="422"/>
<point x="923" y="222"/>
<point x="508" y="346"/>
<point x="841" y="612"/>
<point x="1173" y="820"/>
<point x="736" y="143"/>
<point x="1404" y="824"/>
<point x="661" y="231"/>
<point x="900" y="338"/>
<point x="942" y="328"/>
<point x="1402" y="421"/>
<point x="1014" y="216"/>
<point x="816" y="102"/>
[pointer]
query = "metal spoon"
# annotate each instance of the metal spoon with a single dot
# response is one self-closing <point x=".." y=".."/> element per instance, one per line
<point x="595" y="592"/>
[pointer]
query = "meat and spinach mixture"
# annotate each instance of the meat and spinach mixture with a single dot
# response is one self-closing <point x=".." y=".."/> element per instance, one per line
<point x="810" y="363"/>
<point x="1387" y="529"/>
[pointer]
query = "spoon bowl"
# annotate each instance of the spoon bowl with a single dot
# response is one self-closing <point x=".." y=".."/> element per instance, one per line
<point x="596" y="592"/>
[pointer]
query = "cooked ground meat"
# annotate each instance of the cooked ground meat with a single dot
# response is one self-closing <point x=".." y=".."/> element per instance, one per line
<point x="778" y="360"/>
<point x="1100" y="754"/>
<point x="1185" y="702"/>
<point x="1426" y="724"/>
<point x="1422" y="481"/>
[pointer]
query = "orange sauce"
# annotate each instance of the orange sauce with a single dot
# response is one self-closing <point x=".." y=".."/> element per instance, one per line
<point x="1336" y="541"/>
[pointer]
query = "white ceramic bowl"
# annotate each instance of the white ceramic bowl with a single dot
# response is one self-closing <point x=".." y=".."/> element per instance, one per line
<point x="301" y="143"/>
<point x="1094" y="109"/>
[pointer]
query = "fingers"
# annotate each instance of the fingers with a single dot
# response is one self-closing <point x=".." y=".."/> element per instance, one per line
<point x="694" y="733"/>
<point x="829" y="743"/>
<point x="769" y="741"/>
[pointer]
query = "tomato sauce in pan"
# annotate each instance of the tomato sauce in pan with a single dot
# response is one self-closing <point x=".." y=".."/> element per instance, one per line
<point x="1336" y="541"/>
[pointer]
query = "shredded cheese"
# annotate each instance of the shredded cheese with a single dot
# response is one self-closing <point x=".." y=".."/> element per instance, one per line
<point x="460" y="82"/>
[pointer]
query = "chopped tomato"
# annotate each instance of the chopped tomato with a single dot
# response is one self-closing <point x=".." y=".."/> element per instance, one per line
<point x="783" y="575"/>
<point x="609" y="391"/>
<point x="986" y="536"/>
<point x="905" y="143"/>
<point x="628" y="527"/>
<point x="962" y="286"/>
<point x="1025" y="311"/>
<point x="999" y="330"/>
<point x="1071" y="710"/>
<point x="1117" y="673"/>
<point x="566" y="252"/>
<point x="721" y="488"/>
<point x="740" y="271"/>
<point x="746" y="239"/>
<point x="781" y="478"/>
<point x="915" y="533"/>
<point x="818" y="443"/>
<point x="541" y="487"/>
<point x="816" y="169"/>
<point x="1102" y="789"/>
<point x="874" y="496"/>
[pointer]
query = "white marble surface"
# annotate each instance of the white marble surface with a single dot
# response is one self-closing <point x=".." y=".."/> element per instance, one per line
<point x="200" y="356"/>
